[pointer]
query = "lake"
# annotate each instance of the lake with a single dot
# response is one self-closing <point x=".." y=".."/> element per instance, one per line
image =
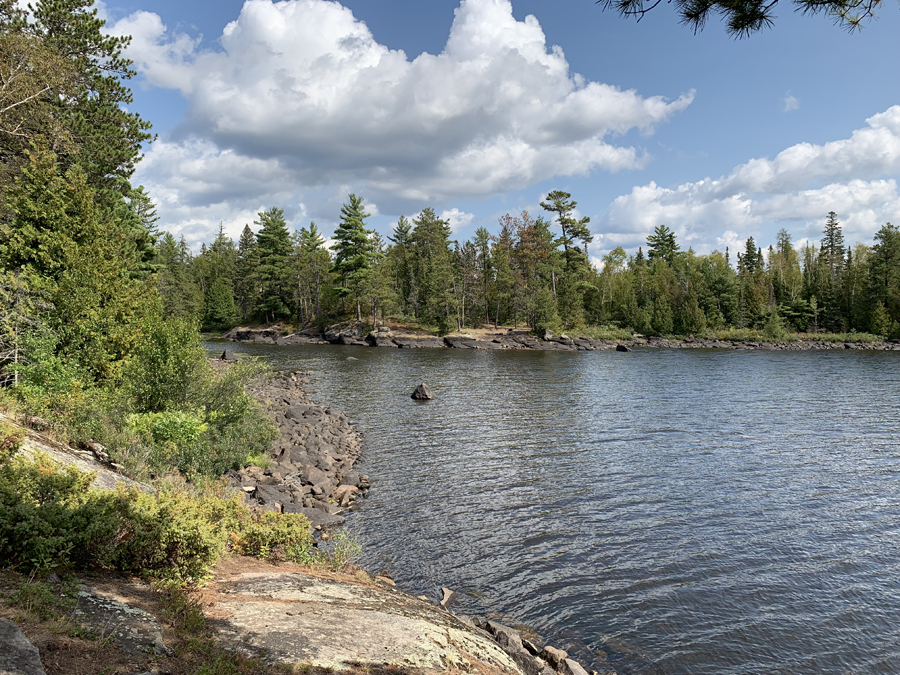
<point x="685" y="512"/>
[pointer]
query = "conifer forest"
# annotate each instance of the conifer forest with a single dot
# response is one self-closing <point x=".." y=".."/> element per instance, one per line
<point x="532" y="271"/>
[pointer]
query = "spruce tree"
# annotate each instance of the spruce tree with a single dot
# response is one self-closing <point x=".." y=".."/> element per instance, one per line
<point x="661" y="245"/>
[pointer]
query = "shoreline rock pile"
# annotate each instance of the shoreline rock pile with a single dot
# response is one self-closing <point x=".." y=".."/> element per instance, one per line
<point x="312" y="461"/>
<point x="523" y="340"/>
<point x="529" y="655"/>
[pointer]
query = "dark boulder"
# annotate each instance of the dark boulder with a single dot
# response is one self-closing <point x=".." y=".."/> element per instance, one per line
<point x="622" y="348"/>
<point x="422" y="393"/>
<point x="351" y="478"/>
<point x="17" y="655"/>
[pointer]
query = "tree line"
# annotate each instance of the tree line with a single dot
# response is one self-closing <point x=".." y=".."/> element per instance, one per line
<point x="533" y="271"/>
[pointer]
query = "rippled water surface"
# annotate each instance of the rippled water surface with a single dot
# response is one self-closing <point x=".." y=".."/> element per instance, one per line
<point x="685" y="512"/>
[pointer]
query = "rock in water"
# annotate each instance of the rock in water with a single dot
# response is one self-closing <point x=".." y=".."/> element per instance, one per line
<point x="422" y="393"/>
<point x="449" y="596"/>
<point x="228" y="355"/>
<point x="622" y="348"/>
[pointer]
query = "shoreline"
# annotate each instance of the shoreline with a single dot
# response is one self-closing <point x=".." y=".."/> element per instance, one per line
<point x="526" y="341"/>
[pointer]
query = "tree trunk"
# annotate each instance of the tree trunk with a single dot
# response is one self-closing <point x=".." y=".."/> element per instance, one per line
<point x="358" y="311"/>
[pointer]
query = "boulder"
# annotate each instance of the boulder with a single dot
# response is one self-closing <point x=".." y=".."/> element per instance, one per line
<point x="448" y="597"/>
<point x="422" y="393"/>
<point x="570" y="667"/>
<point x="506" y="637"/>
<point x="554" y="656"/>
<point x="622" y="348"/>
<point x="351" y="478"/>
<point x="17" y="655"/>
<point x="546" y="334"/>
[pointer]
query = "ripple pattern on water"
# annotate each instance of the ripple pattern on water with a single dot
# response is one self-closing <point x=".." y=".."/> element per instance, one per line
<point x="686" y="512"/>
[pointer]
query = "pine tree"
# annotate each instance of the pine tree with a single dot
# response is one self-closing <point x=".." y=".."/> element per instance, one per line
<point x="833" y="246"/>
<point x="353" y="252"/>
<point x="273" y="243"/>
<point x="434" y="271"/>
<point x="246" y="280"/>
<point x="313" y="263"/>
<point x="180" y="294"/>
<point x="400" y="263"/>
<point x="562" y="204"/>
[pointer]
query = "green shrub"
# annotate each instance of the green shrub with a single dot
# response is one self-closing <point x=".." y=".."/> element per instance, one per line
<point x="166" y="535"/>
<point x="11" y="439"/>
<point x="274" y="535"/>
<point x="50" y="517"/>
<point x="775" y="328"/>
<point x="168" y="359"/>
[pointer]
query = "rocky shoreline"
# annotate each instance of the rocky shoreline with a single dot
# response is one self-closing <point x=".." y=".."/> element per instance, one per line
<point x="524" y="340"/>
<point x="312" y="461"/>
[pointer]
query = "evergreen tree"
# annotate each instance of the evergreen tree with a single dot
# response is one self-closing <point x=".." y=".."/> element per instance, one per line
<point x="485" y="269"/>
<point x="273" y="243"/>
<point x="434" y="273"/>
<point x="400" y="264"/>
<point x="246" y="281"/>
<point x="216" y="268"/>
<point x="833" y="246"/>
<point x="69" y="248"/>
<point x="884" y="271"/>
<point x="562" y="204"/>
<point x="180" y="294"/>
<point x="353" y="252"/>
<point x="313" y="263"/>
<point x="661" y="245"/>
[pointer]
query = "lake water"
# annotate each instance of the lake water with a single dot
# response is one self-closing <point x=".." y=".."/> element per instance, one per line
<point x="686" y="512"/>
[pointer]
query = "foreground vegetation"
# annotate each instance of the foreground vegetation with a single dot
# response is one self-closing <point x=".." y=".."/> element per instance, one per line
<point x="87" y="345"/>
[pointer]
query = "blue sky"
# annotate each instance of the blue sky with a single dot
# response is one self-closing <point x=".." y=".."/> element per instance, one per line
<point x="296" y="103"/>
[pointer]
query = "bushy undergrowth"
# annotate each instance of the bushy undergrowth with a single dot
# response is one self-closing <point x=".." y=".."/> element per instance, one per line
<point x="50" y="517"/>
<point x="166" y="408"/>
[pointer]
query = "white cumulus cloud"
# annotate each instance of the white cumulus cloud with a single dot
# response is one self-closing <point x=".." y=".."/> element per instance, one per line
<point x="856" y="177"/>
<point x="304" y="88"/>
<point x="457" y="219"/>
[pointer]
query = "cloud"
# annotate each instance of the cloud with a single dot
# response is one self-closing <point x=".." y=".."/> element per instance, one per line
<point x="304" y="87"/>
<point x="855" y="177"/>
<point x="457" y="219"/>
<point x="790" y="102"/>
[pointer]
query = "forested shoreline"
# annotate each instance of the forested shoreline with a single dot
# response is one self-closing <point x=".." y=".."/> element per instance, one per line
<point x="535" y="272"/>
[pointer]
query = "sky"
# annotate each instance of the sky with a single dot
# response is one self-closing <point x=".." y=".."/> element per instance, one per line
<point x="478" y="108"/>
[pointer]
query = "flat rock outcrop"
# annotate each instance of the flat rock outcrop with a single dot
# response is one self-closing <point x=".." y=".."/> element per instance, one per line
<point x="107" y="474"/>
<point x="298" y="618"/>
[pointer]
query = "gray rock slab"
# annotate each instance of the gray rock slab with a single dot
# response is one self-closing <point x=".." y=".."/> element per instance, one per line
<point x="17" y="655"/>
<point x="296" y="618"/>
<point x="106" y="479"/>
<point x="131" y="628"/>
